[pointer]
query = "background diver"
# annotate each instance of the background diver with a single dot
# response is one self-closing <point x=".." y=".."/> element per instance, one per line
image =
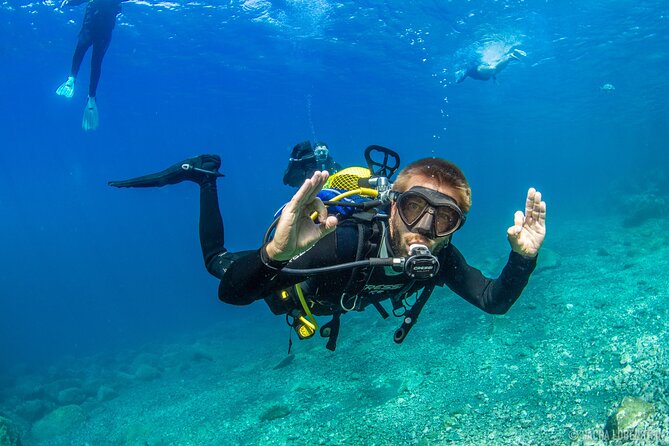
<point x="483" y="71"/>
<point x="96" y="31"/>
<point x="305" y="160"/>
<point x="430" y="201"/>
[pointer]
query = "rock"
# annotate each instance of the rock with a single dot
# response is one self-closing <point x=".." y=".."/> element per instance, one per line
<point x="146" y="372"/>
<point x="524" y="352"/>
<point x="627" y="416"/>
<point x="644" y="207"/>
<point x="201" y="356"/>
<point x="275" y="412"/>
<point x="452" y="436"/>
<point x="71" y="395"/>
<point x="32" y="410"/>
<point x="146" y="358"/>
<point x="54" y="388"/>
<point x="285" y="362"/>
<point x="106" y="393"/>
<point x="58" y="422"/>
<point x="9" y="435"/>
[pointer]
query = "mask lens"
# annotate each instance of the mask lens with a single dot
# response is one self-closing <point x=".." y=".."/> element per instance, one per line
<point x="446" y="220"/>
<point x="411" y="207"/>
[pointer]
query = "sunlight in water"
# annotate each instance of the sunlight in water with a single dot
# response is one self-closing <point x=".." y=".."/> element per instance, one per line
<point x="493" y="50"/>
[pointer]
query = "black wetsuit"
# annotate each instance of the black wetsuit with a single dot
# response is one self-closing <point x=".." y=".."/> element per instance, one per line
<point x="96" y="31"/>
<point x="299" y="170"/>
<point x="302" y="165"/>
<point x="249" y="276"/>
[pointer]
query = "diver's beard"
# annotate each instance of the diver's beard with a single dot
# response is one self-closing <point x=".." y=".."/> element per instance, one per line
<point x="399" y="247"/>
<point x="395" y="244"/>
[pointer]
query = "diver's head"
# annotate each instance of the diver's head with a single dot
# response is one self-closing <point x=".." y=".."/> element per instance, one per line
<point x="432" y="198"/>
<point x="321" y="152"/>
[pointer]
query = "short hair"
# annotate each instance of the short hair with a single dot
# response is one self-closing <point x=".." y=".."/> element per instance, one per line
<point x="444" y="172"/>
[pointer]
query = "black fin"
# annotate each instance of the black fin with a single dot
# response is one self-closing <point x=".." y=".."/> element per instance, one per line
<point x="198" y="169"/>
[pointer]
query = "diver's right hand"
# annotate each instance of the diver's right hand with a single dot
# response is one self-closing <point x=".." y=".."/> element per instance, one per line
<point x="296" y="231"/>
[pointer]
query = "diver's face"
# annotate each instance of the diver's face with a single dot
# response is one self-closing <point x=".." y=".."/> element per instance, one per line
<point x="401" y="236"/>
<point x="321" y="153"/>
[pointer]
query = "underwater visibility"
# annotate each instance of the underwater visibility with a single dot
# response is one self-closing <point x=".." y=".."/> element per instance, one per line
<point x="335" y="223"/>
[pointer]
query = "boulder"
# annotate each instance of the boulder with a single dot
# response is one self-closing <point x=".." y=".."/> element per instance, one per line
<point x="106" y="393"/>
<point x="146" y="372"/>
<point x="275" y="412"/>
<point x="58" y="422"/>
<point x="629" y="414"/>
<point x="9" y="435"/>
<point x="71" y="395"/>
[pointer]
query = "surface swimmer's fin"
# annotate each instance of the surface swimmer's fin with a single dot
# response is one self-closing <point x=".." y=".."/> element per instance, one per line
<point x="66" y="88"/>
<point x="200" y="169"/>
<point x="91" y="119"/>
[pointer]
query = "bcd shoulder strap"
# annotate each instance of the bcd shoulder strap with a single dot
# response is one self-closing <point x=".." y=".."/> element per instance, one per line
<point x="369" y="239"/>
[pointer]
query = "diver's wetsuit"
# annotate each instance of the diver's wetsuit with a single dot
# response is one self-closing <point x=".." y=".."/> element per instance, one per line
<point x="245" y="278"/>
<point x="483" y="71"/>
<point x="96" y="31"/>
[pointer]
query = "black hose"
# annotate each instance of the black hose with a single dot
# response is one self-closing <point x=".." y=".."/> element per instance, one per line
<point x="327" y="269"/>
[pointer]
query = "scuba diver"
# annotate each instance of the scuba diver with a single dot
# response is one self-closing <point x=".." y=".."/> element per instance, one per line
<point x="305" y="160"/>
<point x="96" y="31"/>
<point x="483" y="71"/>
<point x="375" y="242"/>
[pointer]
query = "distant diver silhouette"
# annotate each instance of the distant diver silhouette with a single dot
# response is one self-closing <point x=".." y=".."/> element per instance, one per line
<point x="484" y="71"/>
<point x="96" y="32"/>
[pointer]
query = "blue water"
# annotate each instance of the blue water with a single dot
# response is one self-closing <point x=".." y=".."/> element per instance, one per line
<point x="84" y="268"/>
<point x="84" y="265"/>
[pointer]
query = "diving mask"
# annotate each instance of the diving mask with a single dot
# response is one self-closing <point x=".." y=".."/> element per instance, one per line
<point x="321" y="153"/>
<point x="445" y="216"/>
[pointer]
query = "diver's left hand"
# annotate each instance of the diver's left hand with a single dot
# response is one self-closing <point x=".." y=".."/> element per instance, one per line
<point x="529" y="229"/>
